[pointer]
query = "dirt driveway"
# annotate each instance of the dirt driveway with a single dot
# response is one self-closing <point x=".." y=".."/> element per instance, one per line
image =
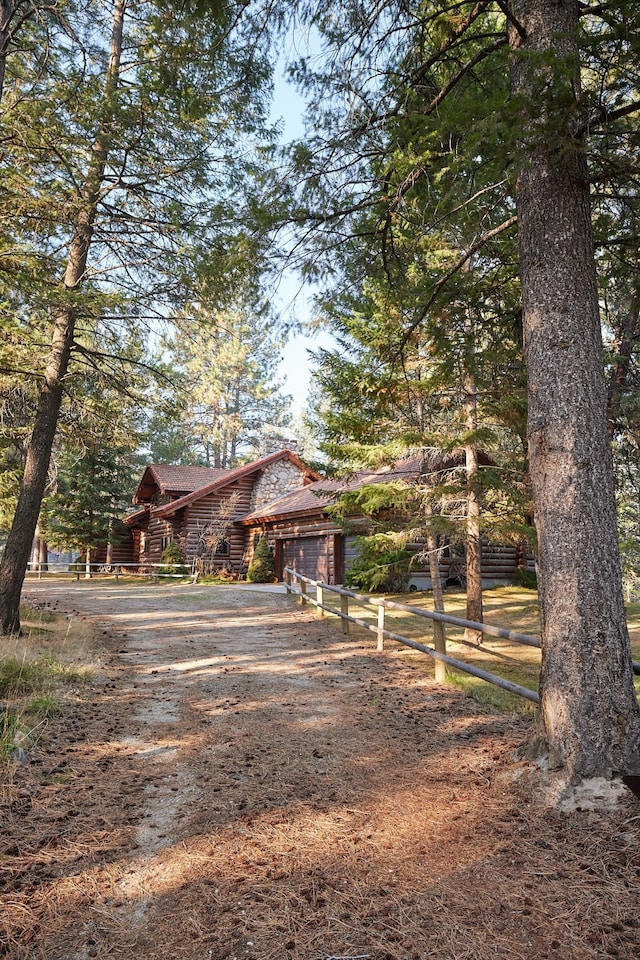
<point x="243" y="782"/>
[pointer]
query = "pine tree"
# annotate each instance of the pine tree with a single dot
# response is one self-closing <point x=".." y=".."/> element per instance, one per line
<point x="504" y="117"/>
<point x="229" y="396"/>
<point x="120" y="163"/>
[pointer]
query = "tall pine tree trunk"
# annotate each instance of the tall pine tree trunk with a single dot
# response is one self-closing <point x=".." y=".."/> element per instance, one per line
<point x="474" y="542"/>
<point x="589" y="707"/>
<point x="20" y="540"/>
<point x="43" y="555"/>
<point x="7" y="11"/>
<point x="474" y="545"/>
<point x="437" y="593"/>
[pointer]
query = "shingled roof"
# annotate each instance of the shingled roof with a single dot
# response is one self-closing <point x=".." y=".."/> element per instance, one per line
<point x="230" y="476"/>
<point x="172" y="479"/>
<point x="313" y="498"/>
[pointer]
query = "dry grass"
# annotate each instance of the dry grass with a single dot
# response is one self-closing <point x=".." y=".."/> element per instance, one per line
<point x="41" y="673"/>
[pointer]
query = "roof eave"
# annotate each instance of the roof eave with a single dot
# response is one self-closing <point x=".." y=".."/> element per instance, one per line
<point x="274" y="517"/>
<point x="133" y="518"/>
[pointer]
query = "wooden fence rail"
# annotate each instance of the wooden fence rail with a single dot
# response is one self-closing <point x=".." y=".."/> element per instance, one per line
<point x="381" y="631"/>
<point x="78" y="569"/>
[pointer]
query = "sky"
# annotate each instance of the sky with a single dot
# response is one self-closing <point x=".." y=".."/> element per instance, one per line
<point x="295" y="300"/>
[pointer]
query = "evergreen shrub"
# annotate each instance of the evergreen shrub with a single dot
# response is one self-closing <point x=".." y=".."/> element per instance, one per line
<point x="526" y="578"/>
<point x="381" y="567"/>
<point x="261" y="568"/>
<point x="174" y="558"/>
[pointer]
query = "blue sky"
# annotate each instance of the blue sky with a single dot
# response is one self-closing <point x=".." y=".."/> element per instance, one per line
<point x="295" y="300"/>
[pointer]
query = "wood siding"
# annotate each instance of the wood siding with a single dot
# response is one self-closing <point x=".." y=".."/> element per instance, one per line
<point x="199" y="514"/>
<point x="499" y="561"/>
<point x="312" y="556"/>
<point x="284" y="533"/>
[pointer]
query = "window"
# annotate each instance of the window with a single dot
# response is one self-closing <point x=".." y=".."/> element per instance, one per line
<point x="222" y="550"/>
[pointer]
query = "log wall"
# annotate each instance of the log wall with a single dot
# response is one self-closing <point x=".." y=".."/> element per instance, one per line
<point x="199" y="514"/>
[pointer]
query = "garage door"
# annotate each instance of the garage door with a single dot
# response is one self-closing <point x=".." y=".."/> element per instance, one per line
<point x="308" y="555"/>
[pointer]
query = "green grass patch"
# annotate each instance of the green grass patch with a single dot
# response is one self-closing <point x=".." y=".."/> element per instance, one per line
<point x="37" y="615"/>
<point x="492" y="696"/>
<point x="20" y="677"/>
<point x="11" y="732"/>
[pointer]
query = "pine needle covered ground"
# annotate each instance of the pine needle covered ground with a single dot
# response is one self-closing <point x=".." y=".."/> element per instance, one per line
<point x="237" y="779"/>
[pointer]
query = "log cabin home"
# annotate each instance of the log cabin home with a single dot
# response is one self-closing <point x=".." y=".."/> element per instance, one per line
<point x="192" y="505"/>
<point x="278" y="495"/>
<point x="303" y="536"/>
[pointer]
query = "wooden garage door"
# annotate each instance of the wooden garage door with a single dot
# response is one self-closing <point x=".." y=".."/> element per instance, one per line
<point x="308" y="555"/>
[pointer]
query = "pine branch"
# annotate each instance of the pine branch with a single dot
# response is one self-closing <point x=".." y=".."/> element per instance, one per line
<point x="458" y="265"/>
<point x="522" y="33"/>
<point x="607" y="116"/>
<point x="466" y="67"/>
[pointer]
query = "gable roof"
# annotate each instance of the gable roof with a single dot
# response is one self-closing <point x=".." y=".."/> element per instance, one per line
<point x="314" y="498"/>
<point x="169" y="478"/>
<point x="228" y="477"/>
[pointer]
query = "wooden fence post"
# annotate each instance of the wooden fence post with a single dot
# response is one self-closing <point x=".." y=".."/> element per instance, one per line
<point x="320" y="599"/>
<point x="440" y="645"/>
<point x="380" y="628"/>
<point x="303" y="590"/>
<point x="344" y="610"/>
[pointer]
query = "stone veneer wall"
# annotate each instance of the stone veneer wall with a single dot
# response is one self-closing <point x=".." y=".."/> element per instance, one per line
<point x="277" y="480"/>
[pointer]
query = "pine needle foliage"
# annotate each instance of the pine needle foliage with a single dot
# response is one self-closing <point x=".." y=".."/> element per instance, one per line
<point x="262" y="567"/>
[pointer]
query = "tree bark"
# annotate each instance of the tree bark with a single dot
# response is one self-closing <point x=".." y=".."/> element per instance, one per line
<point x="588" y="703"/>
<point x="474" y="543"/>
<point x="20" y="540"/>
<point x="43" y="555"/>
<point x="7" y="10"/>
<point x="19" y="543"/>
<point x="439" y="633"/>
<point x="474" y="546"/>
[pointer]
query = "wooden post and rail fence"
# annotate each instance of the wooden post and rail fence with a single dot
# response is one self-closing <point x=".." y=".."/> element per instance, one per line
<point x="381" y="631"/>
<point x="80" y="570"/>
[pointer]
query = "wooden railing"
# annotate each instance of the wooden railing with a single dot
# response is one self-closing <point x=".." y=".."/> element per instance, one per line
<point x="80" y="570"/>
<point x="380" y="629"/>
<point x="299" y="588"/>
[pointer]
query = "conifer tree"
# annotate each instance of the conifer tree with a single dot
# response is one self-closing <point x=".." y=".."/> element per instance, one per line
<point x="460" y="122"/>
<point x="122" y="150"/>
<point x="261" y="567"/>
